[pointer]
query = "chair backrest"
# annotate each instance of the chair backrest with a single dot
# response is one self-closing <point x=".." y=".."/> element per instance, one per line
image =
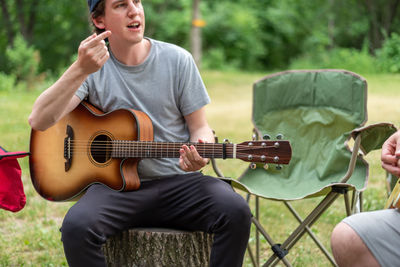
<point x="340" y="91"/>
<point x="315" y="110"/>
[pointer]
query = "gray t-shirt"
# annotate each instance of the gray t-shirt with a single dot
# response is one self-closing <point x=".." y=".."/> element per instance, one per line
<point x="166" y="86"/>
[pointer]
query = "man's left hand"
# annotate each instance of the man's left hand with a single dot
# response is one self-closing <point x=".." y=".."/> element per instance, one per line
<point x="190" y="160"/>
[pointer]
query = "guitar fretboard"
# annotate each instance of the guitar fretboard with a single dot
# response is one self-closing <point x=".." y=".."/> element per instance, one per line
<point x="143" y="149"/>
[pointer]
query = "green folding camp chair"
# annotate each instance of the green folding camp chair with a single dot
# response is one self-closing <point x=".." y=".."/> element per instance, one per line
<point x="319" y="112"/>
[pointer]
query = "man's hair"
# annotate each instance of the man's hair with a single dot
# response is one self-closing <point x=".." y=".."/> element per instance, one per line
<point x="97" y="12"/>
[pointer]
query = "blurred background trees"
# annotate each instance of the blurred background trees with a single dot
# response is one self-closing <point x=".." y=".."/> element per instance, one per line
<point x="42" y="36"/>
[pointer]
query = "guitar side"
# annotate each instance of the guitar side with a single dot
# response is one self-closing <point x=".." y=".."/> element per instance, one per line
<point x="49" y="174"/>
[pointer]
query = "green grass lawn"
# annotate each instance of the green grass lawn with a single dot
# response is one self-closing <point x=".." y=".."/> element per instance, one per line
<point x="31" y="237"/>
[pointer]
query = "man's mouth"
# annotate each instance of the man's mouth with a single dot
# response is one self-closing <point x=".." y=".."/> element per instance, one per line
<point x="134" y="25"/>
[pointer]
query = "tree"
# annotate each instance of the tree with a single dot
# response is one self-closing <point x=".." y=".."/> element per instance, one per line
<point x="246" y="34"/>
<point x="195" y="36"/>
<point x="26" y="12"/>
<point x="381" y="15"/>
<point x="54" y="28"/>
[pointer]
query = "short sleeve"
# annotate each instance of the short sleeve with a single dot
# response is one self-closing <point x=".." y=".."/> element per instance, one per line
<point x="83" y="90"/>
<point x="193" y="93"/>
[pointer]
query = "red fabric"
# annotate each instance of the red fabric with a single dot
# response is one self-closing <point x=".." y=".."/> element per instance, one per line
<point x="12" y="195"/>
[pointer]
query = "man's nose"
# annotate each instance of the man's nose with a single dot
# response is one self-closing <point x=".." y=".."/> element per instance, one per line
<point x="133" y="8"/>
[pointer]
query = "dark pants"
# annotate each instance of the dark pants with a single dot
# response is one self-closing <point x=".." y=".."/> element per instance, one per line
<point x="187" y="202"/>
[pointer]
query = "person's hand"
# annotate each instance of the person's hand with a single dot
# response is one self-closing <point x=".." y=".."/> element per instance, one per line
<point x="390" y="156"/>
<point x="93" y="52"/>
<point x="190" y="160"/>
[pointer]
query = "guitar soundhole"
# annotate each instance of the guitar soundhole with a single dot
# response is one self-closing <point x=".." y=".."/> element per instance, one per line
<point x="101" y="148"/>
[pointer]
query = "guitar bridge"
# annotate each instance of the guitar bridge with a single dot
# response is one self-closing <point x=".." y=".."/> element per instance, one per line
<point x="68" y="147"/>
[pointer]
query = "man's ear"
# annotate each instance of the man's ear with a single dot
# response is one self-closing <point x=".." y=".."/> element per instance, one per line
<point x="99" y="22"/>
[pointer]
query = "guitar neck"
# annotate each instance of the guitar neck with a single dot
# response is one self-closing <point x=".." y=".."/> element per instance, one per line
<point x="144" y="149"/>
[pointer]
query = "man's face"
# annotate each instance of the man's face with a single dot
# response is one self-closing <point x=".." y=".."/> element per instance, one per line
<point x="125" y="19"/>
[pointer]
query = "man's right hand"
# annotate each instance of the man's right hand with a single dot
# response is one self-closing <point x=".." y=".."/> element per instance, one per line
<point x="93" y="52"/>
<point x="390" y="156"/>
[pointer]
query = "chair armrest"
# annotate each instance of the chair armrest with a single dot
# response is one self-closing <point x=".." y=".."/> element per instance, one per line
<point x="368" y="138"/>
<point x="373" y="136"/>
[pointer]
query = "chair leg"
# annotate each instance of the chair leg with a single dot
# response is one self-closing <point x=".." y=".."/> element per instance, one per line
<point x="311" y="234"/>
<point x="347" y="203"/>
<point x="257" y="231"/>
<point x="356" y="202"/>
<point x="301" y="229"/>
<point x="255" y="260"/>
<point x="268" y="238"/>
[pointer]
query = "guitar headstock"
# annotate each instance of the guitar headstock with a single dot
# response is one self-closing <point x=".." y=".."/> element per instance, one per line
<point x="277" y="152"/>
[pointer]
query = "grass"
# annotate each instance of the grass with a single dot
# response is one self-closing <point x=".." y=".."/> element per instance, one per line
<point x="31" y="237"/>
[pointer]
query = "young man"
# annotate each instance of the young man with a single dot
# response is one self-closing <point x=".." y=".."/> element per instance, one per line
<point x="161" y="80"/>
<point x="371" y="238"/>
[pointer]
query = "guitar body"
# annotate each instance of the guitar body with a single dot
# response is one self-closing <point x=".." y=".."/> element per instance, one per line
<point x="57" y="177"/>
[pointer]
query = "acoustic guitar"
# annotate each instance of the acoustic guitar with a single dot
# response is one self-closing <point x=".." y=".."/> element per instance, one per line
<point x="88" y="146"/>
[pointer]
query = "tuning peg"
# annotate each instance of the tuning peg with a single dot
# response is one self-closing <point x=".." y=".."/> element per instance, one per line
<point x="266" y="137"/>
<point x="266" y="166"/>
<point x="278" y="167"/>
<point x="279" y="136"/>
<point x="253" y="166"/>
<point x="254" y="137"/>
<point x="226" y="141"/>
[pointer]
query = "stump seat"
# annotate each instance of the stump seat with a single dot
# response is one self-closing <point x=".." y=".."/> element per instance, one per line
<point x="158" y="247"/>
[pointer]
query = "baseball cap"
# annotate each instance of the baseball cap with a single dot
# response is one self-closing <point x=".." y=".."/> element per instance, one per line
<point x="92" y="4"/>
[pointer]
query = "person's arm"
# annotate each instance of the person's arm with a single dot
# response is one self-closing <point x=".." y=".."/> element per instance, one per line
<point x="59" y="99"/>
<point x="390" y="156"/>
<point x="201" y="132"/>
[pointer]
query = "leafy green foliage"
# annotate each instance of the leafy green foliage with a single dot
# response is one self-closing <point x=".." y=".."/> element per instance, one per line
<point x="57" y="30"/>
<point x="389" y="54"/>
<point x="240" y="34"/>
<point x="22" y="60"/>
<point x="232" y="35"/>
<point x="7" y="82"/>
<point x="341" y="58"/>
<point x="168" y="21"/>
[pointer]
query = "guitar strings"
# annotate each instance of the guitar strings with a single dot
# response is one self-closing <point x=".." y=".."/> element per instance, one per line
<point x="150" y="145"/>
<point x="129" y="148"/>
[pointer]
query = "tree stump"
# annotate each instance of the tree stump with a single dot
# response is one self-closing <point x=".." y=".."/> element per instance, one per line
<point x="158" y="248"/>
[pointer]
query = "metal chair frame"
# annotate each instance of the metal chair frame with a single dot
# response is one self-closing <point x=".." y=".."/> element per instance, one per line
<point x="281" y="250"/>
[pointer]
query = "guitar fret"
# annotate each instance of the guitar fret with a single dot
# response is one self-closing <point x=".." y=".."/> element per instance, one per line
<point x="122" y="148"/>
<point x="213" y="154"/>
